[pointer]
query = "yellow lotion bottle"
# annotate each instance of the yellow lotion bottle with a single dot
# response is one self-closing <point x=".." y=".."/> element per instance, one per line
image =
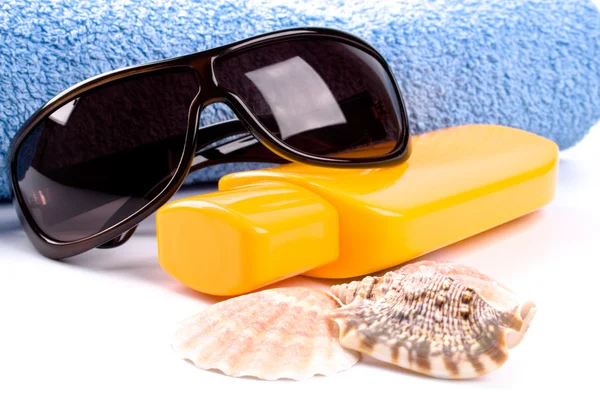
<point x="342" y="223"/>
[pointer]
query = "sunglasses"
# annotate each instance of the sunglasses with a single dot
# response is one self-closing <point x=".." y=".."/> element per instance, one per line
<point x="102" y="156"/>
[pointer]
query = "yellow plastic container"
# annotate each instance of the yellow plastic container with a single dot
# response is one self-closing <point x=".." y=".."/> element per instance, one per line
<point x="232" y="242"/>
<point x="458" y="182"/>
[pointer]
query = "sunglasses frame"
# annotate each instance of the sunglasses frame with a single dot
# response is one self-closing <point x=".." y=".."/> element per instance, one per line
<point x="202" y="63"/>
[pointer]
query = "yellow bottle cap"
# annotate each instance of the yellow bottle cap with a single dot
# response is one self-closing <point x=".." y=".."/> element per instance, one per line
<point x="228" y="243"/>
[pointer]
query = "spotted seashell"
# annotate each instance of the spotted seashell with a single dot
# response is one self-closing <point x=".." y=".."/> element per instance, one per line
<point x="445" y="320"/>
<point x="272" y="334"/>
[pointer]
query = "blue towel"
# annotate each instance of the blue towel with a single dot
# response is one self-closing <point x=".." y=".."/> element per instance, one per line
<point x="529" y="64"/>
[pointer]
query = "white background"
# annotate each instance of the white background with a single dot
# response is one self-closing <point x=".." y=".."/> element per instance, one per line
<point x="97" y="325"/>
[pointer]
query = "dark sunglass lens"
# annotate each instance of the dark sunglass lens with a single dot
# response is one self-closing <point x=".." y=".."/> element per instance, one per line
<point x="101" y="157"/>
<point x="320" y="96"/>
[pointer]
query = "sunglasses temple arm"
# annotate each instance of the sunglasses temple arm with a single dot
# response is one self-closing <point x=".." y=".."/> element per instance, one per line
<point x="119" y="240"/>
<point x="230" y="142"/>
<point x="210" y="134"/>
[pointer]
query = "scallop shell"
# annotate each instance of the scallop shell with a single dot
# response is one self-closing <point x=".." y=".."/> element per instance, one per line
<point x="272" y="334"/>
<point x="445" y="320"/>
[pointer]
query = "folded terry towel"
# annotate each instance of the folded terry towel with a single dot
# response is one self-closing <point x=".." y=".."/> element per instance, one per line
<point x="529" y="64"/>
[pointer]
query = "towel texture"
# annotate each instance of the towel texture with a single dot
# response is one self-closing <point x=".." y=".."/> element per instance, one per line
<point x="529" y="64"/>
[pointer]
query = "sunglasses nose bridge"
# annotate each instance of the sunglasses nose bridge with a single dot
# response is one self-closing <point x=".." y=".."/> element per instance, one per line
<point x="205" y="70"/>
